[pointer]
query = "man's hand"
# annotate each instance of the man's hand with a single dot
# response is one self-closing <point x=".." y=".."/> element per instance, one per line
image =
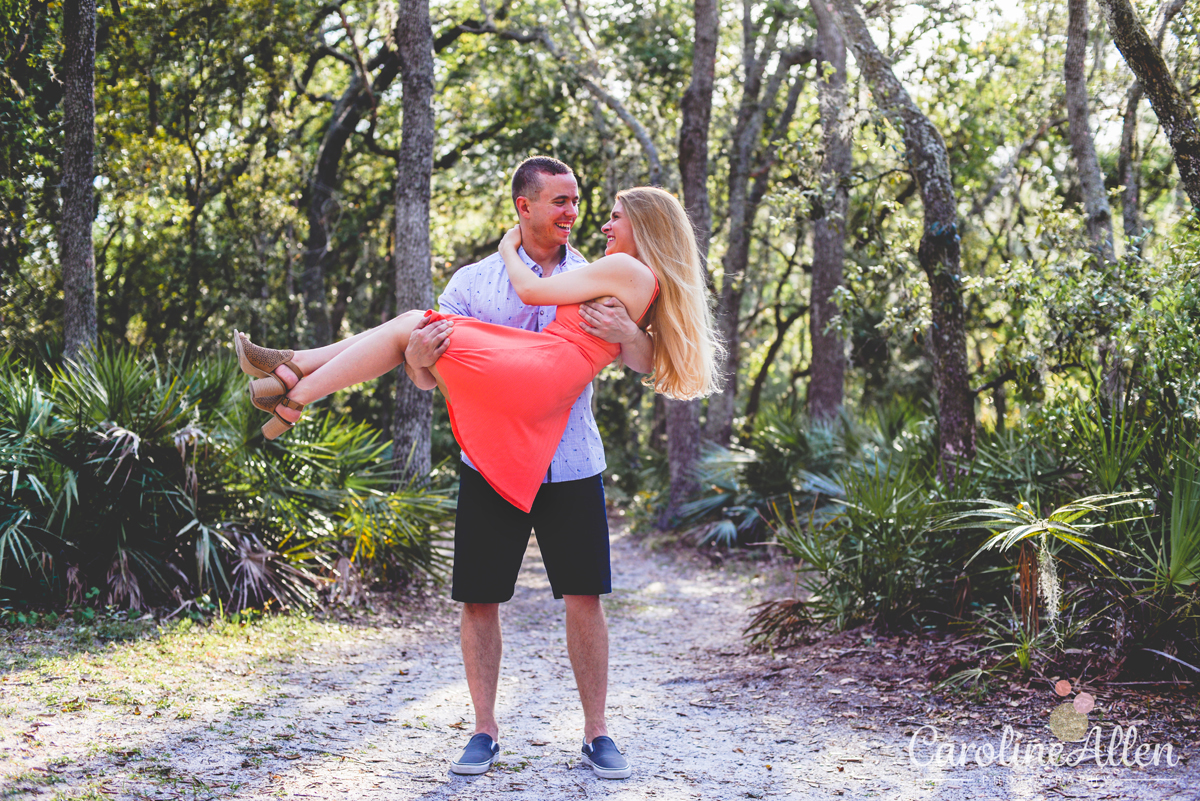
<point x="426" y="345"/>
<point x="609" y="320"/>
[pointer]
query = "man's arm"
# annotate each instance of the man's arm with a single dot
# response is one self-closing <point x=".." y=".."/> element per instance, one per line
<point x="609" y="320"/>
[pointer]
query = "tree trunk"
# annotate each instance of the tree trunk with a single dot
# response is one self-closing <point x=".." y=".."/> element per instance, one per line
<point x="696" y="114"/>
<point x="683" y="417"/>
<point x="1128" y="169"/>
<point x="744" y="203"/>
<point x="320" y="205"/>
<point x="782" y="325"/>
<point x="828" y="365"/>
<point x="1129" y="162"/>
<point x="1173" y="108"/>
<point x="413" y="420"/>
<point x="1083" y="147"/>
<point x="79" y="142"/>
<point x="938" y="253"/>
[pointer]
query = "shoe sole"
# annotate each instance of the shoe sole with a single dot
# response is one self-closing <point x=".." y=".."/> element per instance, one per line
<point x="607" y="773"/>
<point x="470" y="768"/>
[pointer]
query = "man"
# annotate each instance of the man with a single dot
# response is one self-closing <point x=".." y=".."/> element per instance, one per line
<point x="568" y="515"/>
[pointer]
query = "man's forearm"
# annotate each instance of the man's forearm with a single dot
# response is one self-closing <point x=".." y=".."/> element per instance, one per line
<point x="420" y="376"/>
<point x="638" y="353"/>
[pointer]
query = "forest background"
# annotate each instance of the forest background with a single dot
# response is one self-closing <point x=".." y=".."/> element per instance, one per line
<point x="952" y="249"/>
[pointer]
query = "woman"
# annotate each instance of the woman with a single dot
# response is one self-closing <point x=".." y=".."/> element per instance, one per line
<point x="510" y="391"/>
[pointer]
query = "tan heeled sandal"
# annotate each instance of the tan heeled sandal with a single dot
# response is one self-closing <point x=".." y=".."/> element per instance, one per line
<point x="266" y="393"/>
<point x="277" y="426"/>
<point x="261" y="362"/>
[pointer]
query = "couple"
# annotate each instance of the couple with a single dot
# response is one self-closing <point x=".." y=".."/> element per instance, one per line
<point x="516" y="373"/>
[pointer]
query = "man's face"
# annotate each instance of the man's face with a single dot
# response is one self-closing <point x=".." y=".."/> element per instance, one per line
<point x="547" y="218"/>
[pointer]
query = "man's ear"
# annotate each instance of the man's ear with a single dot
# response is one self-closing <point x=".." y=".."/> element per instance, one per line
<point x="523" y="207"/>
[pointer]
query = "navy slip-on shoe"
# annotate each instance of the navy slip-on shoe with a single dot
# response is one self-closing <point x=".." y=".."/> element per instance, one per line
<point x="477" y="757"/>
<point x="605" y="759"/>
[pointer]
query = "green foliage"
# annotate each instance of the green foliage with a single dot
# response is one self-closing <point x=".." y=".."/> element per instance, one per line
<point x="879" y="561"/>
<point x="150" y="481"/>
<point x="1176" y="556"/>
<point x="1012" y="524"/>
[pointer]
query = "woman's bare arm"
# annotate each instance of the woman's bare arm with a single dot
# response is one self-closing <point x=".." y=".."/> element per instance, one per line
<point x="619" y="275"/>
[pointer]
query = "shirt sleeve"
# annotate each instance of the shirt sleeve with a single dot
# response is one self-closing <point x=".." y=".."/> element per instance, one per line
<point x="455" y="299"/>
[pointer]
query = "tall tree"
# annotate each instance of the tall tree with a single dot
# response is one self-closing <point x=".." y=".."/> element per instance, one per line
<point x="412" y="260"/>
<point x="828" y="370"/>
<point x="683" y="417"/>
<point x="1083" y="147"/>
<point x="749" y="179"/>
<point x="1128" y="163"/>
<point x="319" y="202"/>
<point x="76" y="249"/>
<point x="939" y="251"/>
<point x="1174" y="108"/>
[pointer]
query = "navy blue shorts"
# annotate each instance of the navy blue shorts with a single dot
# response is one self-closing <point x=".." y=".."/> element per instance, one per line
<point x="490" y="537"/>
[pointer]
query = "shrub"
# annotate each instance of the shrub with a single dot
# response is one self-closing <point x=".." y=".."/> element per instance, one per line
<point x="152" y="482"/>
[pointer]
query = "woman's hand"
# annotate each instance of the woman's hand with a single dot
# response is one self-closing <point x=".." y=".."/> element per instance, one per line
<point x="512" y="239"/>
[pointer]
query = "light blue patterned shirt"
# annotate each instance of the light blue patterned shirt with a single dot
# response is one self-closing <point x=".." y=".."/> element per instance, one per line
<point x="483" y="291"/>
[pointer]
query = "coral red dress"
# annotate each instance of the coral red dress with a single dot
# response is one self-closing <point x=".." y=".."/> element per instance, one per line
<point x="510" y="392"/>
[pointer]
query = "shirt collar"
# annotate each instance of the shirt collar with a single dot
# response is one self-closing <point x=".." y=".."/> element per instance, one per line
<point x="537" y="268"/>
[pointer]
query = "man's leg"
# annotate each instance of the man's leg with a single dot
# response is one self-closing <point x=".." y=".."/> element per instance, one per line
<point x="482" y="645"/>
<point x="587" y="645"/>
<point x="490" y="535"/>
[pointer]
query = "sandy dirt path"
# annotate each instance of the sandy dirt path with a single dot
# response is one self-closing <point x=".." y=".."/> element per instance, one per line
<point x="375" y="712"/>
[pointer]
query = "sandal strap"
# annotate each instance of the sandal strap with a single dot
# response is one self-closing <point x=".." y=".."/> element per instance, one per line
<point x="267" y="392"/>
<point x="288" y="403"/>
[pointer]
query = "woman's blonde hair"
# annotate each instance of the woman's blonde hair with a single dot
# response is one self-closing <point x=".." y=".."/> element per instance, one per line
<point x="686" y="347"/>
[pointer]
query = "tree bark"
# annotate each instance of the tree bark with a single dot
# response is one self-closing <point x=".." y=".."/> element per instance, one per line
<point x="413" y="420"/>
<point x="76" y="248"/>
<point x="828" y="365"/>
<point x="938" y="253"/>
<point x="1129" y="162"/>
<point x="1128" y="168"/>
<point x="743" y="202"/>
<point x="683" y="417"/>
<point x="320" y="205"/>
<point x="1174" y="109"/>
<point x="1083" y="147"/>
<point x="696" y="115"/>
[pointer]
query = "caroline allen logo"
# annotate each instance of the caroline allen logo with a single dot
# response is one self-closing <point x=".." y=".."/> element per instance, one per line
<point x="1068" y="722"/>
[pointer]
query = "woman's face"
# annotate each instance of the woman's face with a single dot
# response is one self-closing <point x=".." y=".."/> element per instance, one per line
<point x="619" y="231"/>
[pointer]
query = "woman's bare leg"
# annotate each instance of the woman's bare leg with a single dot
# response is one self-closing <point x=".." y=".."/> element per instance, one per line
<point x="314" y="359"/>
<point x="360" y="358"/>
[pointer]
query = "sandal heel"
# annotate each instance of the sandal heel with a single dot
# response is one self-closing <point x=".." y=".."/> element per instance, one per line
<point x="266" y="393"/>
<point x="276" y="427"/>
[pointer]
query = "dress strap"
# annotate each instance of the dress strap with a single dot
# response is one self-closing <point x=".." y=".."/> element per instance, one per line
<point x="653" y="297"/>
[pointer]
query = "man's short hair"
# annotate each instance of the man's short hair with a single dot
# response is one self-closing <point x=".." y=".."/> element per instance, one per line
<point x="527" y="180"/>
